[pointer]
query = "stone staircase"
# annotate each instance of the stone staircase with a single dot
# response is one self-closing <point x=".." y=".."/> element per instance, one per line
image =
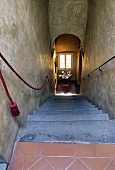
<point x="70" y="120"/>
<point x="3" y="163"/>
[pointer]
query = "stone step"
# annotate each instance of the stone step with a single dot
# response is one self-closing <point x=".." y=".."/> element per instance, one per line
<point x="67" y="105"/>
<point x="69" y="117"/>
<point x="57" y="112"/>
<point x="56" y="109"/>
<point x="3" y="163"/>
<point x="83" y="131"/>
<point x="68" y="97"/>
<point x="67" y="100"/>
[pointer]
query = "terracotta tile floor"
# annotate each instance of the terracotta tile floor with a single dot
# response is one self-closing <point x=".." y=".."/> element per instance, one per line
<point x="58" y="156"/>
<point x="66" y="89"/>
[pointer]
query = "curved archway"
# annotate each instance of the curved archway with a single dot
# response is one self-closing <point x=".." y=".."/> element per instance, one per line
<point x="67" y="42"/>
<point x="68" y="45"/>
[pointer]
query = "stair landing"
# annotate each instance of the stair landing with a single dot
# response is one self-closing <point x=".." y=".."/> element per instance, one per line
<point x="57" y="156"/>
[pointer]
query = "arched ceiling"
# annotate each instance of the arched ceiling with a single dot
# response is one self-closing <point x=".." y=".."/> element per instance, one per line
<point x="67" y="42"/>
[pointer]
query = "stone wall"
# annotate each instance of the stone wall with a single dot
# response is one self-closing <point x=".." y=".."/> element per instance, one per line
<point x="99" y="47"/>
<point x="25" y="42"/>
<point x="67" y="17"/>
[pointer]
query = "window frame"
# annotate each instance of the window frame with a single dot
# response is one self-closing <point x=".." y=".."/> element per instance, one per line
<point x="65" y="61"/>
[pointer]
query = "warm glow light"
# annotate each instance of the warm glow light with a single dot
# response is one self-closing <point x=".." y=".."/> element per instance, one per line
<point x="68" y="60"/>
<point x="65" y="61"/>
<point x="66" y="94"/>
<point x="62" y="61"/>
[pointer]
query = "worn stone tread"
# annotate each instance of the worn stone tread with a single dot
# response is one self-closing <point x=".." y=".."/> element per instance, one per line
<point x="57" y="112"/>
<point x="67" y="117"/>
<point x="76" y="131"/>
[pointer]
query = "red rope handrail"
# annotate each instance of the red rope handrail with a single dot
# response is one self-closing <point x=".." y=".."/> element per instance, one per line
<point x="46" y="77"/>
<point x="13" y="106"/>
<point x="50" y="83"/>
<point x="5" y="87"/>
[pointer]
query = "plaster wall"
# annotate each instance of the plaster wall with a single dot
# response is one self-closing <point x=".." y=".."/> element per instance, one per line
<point x="99" y="47"/>
<point x="67" y="17"/>
<point x="25" y="42"/>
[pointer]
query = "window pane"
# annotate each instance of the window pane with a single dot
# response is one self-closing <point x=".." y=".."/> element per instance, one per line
<point x="68" y="60"/>
<point x="62" y="61"/>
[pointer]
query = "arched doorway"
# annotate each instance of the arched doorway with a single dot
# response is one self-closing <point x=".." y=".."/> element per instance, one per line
<point x="67" y="59"/>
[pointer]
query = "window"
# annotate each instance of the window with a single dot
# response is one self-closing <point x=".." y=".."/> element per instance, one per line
<point x="65" y="61"/>
<point x="62" y="61"/>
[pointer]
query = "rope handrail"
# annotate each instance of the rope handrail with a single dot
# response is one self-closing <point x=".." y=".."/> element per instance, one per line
<point x="50" y="83"/>
<point x="5" y="87"/>
<point x="88" y="75"/>
<point x="13" y="106"/>
<point x="46" y="77"/>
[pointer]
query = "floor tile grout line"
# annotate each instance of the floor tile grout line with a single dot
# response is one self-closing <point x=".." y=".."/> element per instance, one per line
<point x="71" y="163"/>
<point x="100" y="157"/>
<point x="84" y="164"/>
<point x="22" y="150"/>
<point x="34" y="147"/>
<point x="36" y="154"/>
<point x="79" y="157"/>
<point x="35" y="163"/>
<point x="69" y="147"/>
<point x="23" y="163"/>
<point x="40" y="148"/>
<point x="108" y="164"/>
<point x="49" y="163"/>
<point x="97" y="152"/>
<point x="114" y="160"/>
<point x="17" y="147"/>
<point x="24" y="155"/>
<point x="60" y="156"/>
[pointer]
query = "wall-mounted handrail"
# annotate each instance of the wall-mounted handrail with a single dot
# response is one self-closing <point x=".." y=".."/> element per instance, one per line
<point x="46" y="77"/>
<point x="98" y="68"/>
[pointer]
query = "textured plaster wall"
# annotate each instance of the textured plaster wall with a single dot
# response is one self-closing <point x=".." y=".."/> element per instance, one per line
<point x="99" y="47"/>
<point x="67" y="17"/>
<point x="25" y="42"/>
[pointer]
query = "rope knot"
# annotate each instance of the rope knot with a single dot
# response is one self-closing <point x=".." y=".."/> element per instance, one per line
<point x="14" y="109"/>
